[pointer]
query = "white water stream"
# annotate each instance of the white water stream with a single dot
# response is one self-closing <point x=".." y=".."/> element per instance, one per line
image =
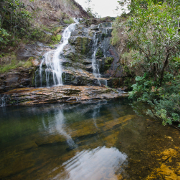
<point x="96" y="46"/>
<point x="95" y="64"/>
<point x="3" y="101"/>
<point x="52" y="59"/>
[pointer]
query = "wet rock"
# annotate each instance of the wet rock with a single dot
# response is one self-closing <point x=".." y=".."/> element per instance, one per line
<point x="35" y="62"/>
<point x="106" y="24"/>
<point x="77" y="79"/>
<point x="83" y="45"/>
<point x="76" y="33"/>
<point x="72" y="94"/>
<point x="94" y="27"/>
<point x="17" y="78"/>
<point x="77" y="56"/>
<point x="87" y="62"/>
<point x="73" y="56"/>
<point x="89" y="68"/>
<point x="76" y="60"/>
<point x="31" y="50"/>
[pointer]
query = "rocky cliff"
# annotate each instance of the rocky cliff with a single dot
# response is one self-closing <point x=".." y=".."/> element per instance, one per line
<point x="87" y="59"/>
<point x="18" y="63"/>
<point x="83" y="57"/>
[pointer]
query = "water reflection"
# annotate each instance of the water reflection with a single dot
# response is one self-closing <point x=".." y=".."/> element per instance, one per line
<point x="99" y="163"/>
<point x="57" y="125"/>
<point x="96" y="112"/>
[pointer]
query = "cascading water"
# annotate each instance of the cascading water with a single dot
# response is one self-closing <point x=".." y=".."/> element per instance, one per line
<point x="104" y="42"/>
<point x="50" y="70"/>
<point x="52" y="59"/>
<point x="95" y="64"/>
<point x="3" y="100"/>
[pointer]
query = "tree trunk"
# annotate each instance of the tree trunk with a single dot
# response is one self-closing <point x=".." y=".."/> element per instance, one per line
<point x="164" y="66"/>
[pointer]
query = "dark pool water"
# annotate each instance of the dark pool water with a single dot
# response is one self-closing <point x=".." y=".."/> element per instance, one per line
<point x="101" y="140"/>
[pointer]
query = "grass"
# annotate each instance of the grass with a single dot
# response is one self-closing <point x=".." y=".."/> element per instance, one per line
<point x="56" y="38"/>
<point x="68" y="21"/>
<point x="14" y="63"/>
<point x="53" y="30"/>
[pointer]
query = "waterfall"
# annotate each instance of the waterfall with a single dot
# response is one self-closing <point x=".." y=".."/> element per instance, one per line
<point x="51" y="68"/>
<point x="104" y="43"/>
<point x="95" y="64"/>
<point x="3" y="100"/>
<point x="52" y="59"/>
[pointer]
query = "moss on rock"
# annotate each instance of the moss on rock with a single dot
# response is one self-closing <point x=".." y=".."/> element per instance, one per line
<point x="83" y="45"/>
<point x="99" y="53"/>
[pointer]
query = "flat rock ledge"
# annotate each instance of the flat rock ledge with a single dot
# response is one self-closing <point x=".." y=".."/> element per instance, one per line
<point x="58" y="94"/>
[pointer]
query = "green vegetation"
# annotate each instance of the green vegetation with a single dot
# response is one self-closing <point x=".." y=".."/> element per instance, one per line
<point x="153" y="49"/>
<point x="99" y="53"/>
<point x="10" y="62"/>
<point x="14" y="21"/>
<point x="17" y="25"/>
<point x="68" y="21"/>
<point x="56" y="38"/>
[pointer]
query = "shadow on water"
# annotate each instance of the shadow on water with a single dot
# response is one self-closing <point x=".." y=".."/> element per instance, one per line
<point x="101" y="140"/>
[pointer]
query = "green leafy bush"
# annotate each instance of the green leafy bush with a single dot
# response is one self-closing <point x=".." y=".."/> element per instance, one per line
<point x="56" y="38"/>
<point x="153" y="40"/>
<point x="164" y="100"/>
<point x="4" y="35"/>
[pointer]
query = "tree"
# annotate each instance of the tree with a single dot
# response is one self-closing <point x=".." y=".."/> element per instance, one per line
<point x="14" y="20"/>
<point x="154" y="38"/>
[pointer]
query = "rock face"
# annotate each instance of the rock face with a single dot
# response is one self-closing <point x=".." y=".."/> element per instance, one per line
<point x="85" y="59"/>
<point x="71" y="94"/>
<point x="86" y="42"/>
<point x="18" y="78"/>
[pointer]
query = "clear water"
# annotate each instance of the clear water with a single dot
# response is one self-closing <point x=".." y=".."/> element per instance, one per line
<point x="102" y="140"/>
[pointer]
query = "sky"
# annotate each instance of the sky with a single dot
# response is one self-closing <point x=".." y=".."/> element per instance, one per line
<point x="102" y="7"/>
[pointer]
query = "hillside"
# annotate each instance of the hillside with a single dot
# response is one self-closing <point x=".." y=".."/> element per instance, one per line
<point x="22" y="21"/>
<point x="54" y="12"/>
<point x="25" y="23"/>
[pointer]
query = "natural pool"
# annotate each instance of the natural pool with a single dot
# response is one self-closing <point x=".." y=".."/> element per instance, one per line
<point x="101" y="140"/>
